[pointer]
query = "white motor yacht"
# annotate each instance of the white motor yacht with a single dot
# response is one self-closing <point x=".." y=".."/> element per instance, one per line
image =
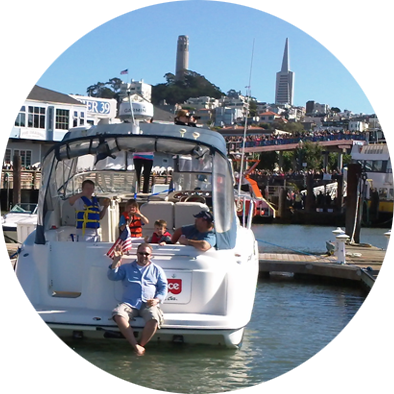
<point x="211" y="294"/>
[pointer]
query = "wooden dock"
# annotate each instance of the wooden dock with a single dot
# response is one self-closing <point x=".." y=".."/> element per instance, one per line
<point x="363" y="264"/>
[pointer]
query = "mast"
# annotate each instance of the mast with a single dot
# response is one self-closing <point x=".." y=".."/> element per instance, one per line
<point x="248" y="95"/>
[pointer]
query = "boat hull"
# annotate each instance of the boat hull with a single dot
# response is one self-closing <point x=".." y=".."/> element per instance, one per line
<point x="67" y="284"/>
<point x="215" y="337"/>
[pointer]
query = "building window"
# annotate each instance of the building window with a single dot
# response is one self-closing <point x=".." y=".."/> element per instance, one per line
<point x="25" y="156"/>
<point x="62" y="119"/>
<point x="36" y="117"/>
<point x="7" y="156"/>
<point x="21" y="118"/>
<point x="79" y="117"/>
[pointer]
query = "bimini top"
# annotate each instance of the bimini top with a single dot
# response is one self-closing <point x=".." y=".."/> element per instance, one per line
<point x="152" y="137"/>
<point x="106" y="151"/>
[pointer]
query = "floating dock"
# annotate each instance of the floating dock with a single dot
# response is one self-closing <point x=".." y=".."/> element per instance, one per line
<point x="362" y="264"/>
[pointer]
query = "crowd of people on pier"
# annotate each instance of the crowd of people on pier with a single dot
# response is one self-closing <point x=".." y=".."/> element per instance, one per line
<point x="235" y="142"/>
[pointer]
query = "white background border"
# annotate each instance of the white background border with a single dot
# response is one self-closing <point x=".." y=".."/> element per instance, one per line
<point x="359" y="34"/>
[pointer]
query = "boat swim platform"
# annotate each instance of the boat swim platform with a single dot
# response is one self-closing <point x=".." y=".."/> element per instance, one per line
<point x="362" y="265"/>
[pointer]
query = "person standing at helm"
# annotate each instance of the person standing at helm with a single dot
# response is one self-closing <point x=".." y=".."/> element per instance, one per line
<point x="89" y="212"/>
<point x="143" y="160"/>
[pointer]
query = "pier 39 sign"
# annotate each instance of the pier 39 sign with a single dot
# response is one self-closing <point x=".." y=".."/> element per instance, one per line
<point x="98" y="107"/>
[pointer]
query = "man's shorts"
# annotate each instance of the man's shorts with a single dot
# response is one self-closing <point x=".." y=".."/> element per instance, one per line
<point x="146" y="312"/>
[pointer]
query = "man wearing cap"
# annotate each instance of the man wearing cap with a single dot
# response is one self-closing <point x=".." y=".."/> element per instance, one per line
<point x="185" y="118"/>
<point x="200" y="234"/>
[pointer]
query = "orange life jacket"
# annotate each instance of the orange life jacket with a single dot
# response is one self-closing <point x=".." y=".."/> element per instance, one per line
<point x="135" y="225"/>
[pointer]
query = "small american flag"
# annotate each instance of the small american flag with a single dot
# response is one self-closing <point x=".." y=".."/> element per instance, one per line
<point x="123" y="72"/>
<point x="124" y="241"/>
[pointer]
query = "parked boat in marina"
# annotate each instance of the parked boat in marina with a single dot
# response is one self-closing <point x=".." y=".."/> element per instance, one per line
<point x="23" y="213"/>
<point x="66" y="281"/>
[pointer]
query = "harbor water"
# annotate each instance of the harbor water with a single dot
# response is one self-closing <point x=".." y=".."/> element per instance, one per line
<point x="291" y="322"/>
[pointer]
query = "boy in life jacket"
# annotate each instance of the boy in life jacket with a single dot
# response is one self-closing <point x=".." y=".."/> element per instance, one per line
<point x="160" y="234"/>
<point x="89" y="212"/>
<point x="133" y="218"/>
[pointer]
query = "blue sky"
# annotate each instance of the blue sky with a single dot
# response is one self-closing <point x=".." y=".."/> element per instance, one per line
<point x="221" y="37"/>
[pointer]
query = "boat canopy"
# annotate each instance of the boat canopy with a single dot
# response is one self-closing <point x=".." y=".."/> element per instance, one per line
<point x="104" y="153"/>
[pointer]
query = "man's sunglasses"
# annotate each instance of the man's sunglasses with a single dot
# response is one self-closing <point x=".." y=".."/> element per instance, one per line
<point x="143" y="254"/>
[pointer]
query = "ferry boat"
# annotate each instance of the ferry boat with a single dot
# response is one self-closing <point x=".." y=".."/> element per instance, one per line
<point x="211" y="294"/>
<point x="375" y="162"/>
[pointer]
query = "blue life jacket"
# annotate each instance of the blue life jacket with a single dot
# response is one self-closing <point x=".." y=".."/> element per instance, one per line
<point x="90" y="216"/>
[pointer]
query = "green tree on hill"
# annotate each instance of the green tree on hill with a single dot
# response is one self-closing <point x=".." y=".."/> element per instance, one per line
<point x="108" y="89"/>
<point x="178" y="91"/>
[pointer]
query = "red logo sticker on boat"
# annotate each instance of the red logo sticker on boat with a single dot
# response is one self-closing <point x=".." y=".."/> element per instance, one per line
<point x="175" y="286"/>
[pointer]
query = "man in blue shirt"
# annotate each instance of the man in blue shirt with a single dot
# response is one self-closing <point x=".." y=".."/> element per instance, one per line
<point x="145" y="287"/>
<point x="200" y="234"/>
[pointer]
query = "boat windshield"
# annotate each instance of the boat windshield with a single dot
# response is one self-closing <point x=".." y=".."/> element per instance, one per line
<point x="24" y="207"/>
<point x="116" y="175"/>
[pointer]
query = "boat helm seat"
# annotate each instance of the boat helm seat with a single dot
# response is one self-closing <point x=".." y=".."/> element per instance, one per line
<point x="155" y="210"/>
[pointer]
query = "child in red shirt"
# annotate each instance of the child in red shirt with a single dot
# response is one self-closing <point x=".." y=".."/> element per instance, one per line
<point x="160" y="234"/>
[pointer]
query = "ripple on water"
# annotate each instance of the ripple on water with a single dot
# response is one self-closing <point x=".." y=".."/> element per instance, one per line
<point x="291" y="322"/>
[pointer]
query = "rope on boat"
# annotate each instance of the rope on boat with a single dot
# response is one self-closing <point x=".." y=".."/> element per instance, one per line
<point x="15" y="254"/>
<point x="162" y="192"/>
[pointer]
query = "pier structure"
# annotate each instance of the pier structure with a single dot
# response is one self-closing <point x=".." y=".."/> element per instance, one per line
<point x="362" y="265"/>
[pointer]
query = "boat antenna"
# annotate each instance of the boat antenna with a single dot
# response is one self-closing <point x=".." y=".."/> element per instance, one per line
<point x="248" y="95"/>
<point x="131" y="106"/>
<point x="136" y="123"/>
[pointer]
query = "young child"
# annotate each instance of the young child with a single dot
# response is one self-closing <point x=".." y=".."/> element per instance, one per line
<point x="160" y="235"/>
<point x="133" y="218"/>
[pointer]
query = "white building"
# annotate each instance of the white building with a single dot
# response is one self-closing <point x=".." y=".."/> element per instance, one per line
<point x="235" y="101"/>
<point x="136" y="87"/>
<point x="203" y="102"/>
<point x="46" y="116"/>
<point x="357" y="125"/>
<point x="225" y="116"/>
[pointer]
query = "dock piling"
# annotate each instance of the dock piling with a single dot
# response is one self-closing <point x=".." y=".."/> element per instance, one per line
<point x="340" y="251"/>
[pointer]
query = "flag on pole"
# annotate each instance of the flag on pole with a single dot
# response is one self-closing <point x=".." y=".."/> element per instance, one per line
<point x="123" y="72"/>
<point x="124" y="241"/>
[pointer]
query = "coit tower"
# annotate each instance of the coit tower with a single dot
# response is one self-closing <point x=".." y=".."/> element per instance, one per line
<point x="182" y="57"/>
